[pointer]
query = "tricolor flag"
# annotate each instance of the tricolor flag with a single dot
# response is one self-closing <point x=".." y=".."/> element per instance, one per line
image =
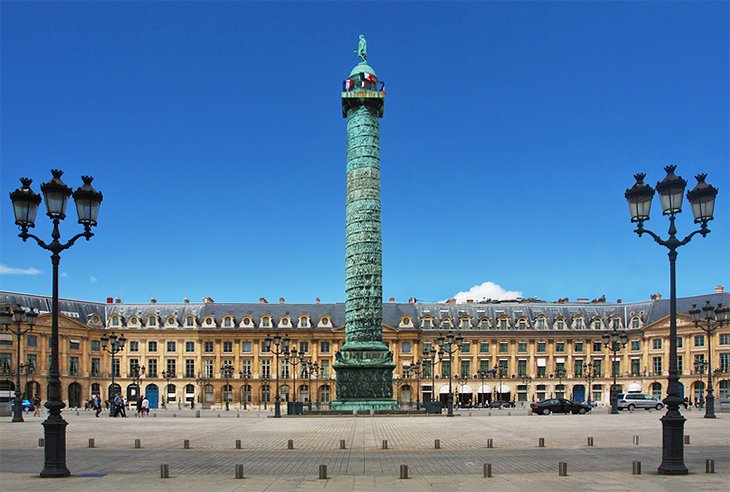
<point x="368" y="77"/>
<point x="348" y="85"/>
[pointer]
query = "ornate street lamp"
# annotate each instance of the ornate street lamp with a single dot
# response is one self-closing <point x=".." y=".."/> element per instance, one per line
<point x="614" y="340"/>
<point x="416" y="370"/>
<point x="590" y="376"/>
<point x="113" y="344"/>
<point x="265" y="384"/>
<point x="18" y="315"/>
<point x="449" y="345"/>
<point x="291" y="357"/>
<point x="25" y="206"/>
<point x="282" y="346"/>
<point x="227" y="371"/>
<point x="245" y="376"/>
<point x="702" y="201"/>
<point x="719" y="316"/>
<point x="313" y="369"/>
<point x="202" y="379"/>
<point x="167" y="376"/>
<point x="136" y="373"/>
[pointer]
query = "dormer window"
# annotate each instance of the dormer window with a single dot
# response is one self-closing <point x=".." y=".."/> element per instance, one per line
<point x="540" y="323"/>
<point x="578" y="323"/>
<point x="284" y="321"/>
<point x="152" y="321"/>
<point x="228" y="322"/>
<point x="635" y="323"/>
<point x="324" y="322"/>
<point x="266" y="322"/>
<point x="615" y="323"/>
<point x="597" y="325"/>
<point x="209" y="321"/>
<point x="427" y="323"/>
<point x="133" y="321"/>
<point x="464" y="324"/>
<point x="304" y="322"/>
<point x="503" y="324"/>
<point x="246" y="321"/>
<point x="560" y="325"/>
<point x="115" y="321"/>
<point x="189" y="321"/>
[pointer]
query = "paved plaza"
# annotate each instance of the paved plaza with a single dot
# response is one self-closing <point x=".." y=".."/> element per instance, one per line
<point x="516" y="458"/>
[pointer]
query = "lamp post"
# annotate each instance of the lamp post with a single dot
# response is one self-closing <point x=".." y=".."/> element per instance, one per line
<point x="560" y="374"/>
<point x="167" y="377"/>
<point x="461" y="380"/>
<point x="291" y="357"/>
<point x="227" y="371"/>
<point x="429" y="358"/>
<point x="482" y="374"/>
<point x="416" y="369"/>
<point x="113" y="344"/>
<point x="282" y="346"/>
<point x="201" y="380"/>
<point x="614" y="340"/>
<point x="313" y="368"/>
<point x="526" y="381"/>
<point x="702" y="202"/>
<point x="18" y="316"/>
<point x="245" y="376"/>
<point x="265" y="383"/>
<point x="500" y="373"/>
<point x="136" y="372"/>
<point x="719" y="315"/>
<point x="589" y="377"/>
<point x="446" y="347"/>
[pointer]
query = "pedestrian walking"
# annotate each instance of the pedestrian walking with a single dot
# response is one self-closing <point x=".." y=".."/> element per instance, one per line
<point x="37" y="406"/>
<point x="145" y="406"/>
<point x="97" y="405"/>
<point x="139" y="406"/>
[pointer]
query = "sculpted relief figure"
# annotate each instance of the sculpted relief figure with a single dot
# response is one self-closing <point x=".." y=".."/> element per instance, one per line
<point x="362" y="48"/>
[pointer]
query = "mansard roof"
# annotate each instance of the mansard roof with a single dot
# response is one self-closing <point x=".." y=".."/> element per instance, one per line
<point x="648" y="311"/>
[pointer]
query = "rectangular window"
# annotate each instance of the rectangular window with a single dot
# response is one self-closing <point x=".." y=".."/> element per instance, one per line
<point x="115" y="368"/>
<point x="426" y="368"/>
<point x="95" y="345"/>
<point x="303" y="347"/>
<point x="246" y="369"/>
<point x="324" y="347"/>
<point x="522" y="368"/>
<point x="284" y="370"/>
<point x="579" y="323"/>
<point x="503" y="347"/>
<point x="635" y="323"/>
<point x="541" y="347"/>
<point x="656" y="364"/>
<point x="522" y="347"/>
<point x="95" y="367"/>
<point x="464" y="324"/>
<point x="227" y="346"/>
<point x="725" y="339"/>
<point x="152" y="321"/>
<point x="598" y="367"/>
<point x="561" y="324"/>
<point x="635" y="345"/>
<point x="189" y="347"/>
<point x="578" y="368"/>
<point x="171" y="369"/>
<point x="426" y="347"/>
<point x="208" y="346"/>
<point x="724" y="361"/>
<point x="406" y="347"/>
<point x="680" y="364"/>
<point x="466" y="368"/>
<point x="560" y="369"/>
<point x="73" y="366"/>
<point x="32" y="341"/>
<point x="208" y="368"/>
<point x="227" y="322"/>
<point x="541" y="371"/>
<point x="679" y="342"/>
<point x="502" y="324"/>
<point x="74" y="344"/>
<point x="132" y="363"/>
<point x="597" y="346"/>
<point x="189" y="321"/>
<point x="483" y="347"/>
<point x="264" y="348"/>
<point x="445" y="368"/>
<point x="265" y="322"/>
<point x="134" y="346"/>
<point x="246" y="346"/>
<point x="324" y="368"/>
<point x="484" y="365"/>
<point x="699" y="341"/>
<point x="560" y="346"/>
<point x="189" y="368"/>
<point x="6" y="360"/>
<point x="171" y="346"/>
<point x="427" y="323"/>
<point x="656" y="343"/>
<point x="616" y="367"/>
<point x="152" y="368"/>
<point x="265" y="368"/>
<point x="615" y="324"/>
<point x="151" y="346"/>
<point x="541" y="323"/>
<point x="578" y="347"/>
<point x="465" y="347"/>
<point x="636" y="367"/>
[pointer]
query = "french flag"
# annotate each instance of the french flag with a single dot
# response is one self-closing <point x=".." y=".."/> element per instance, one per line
<point x="368" y="77"/>
<point x="348" y="85"/>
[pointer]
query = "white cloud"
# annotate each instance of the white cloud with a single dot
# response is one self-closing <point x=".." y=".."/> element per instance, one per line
<point x="6" y="270"/>
<point x="93" y="280"/>
<point x="63" y="275"/>
<point x="487" y="290"/>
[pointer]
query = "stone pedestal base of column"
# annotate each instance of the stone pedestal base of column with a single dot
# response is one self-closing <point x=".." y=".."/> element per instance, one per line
<point x="364" y="378"/>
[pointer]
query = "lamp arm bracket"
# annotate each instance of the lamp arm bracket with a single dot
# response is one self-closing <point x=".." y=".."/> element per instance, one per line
<point x="704" y="231"/>
<point x="86" y="234"/>
<point x="640" y="230"/>
<point x="24" y="235"/>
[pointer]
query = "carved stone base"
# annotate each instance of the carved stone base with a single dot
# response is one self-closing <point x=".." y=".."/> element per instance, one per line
<point x="364" y="380"/>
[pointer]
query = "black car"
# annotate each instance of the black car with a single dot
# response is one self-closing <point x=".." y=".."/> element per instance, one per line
<point x="501" y="404"/>
<point x="559" y="405"/>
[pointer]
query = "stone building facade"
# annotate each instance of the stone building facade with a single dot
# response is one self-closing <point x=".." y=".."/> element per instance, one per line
<point x="520" y="351"/>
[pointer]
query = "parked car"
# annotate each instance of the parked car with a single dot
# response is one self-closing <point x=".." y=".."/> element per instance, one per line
<point x="501" y="404"/>
<point x="559" y="405"/>
<point x="630" y="401"/>
<point x="27" y="405"/>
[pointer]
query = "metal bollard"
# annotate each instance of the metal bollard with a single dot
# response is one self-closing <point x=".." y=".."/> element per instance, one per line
<point x="91" y="443"/>
<point x="709" y="466"/>
<point x="154" y="414"/>
<point x="137" y="443"/>
<point x="174" y="415"/>
<point x="487" y="470"/>
<point x="238" y="444"/>
<point x="563" y="469"/>
<point x="239" y="471"/>
<point x="385" y="444"/>
<point x="323" y="472"/>
<point x="290" y="444"/>
<point x="186" y="444"/>
<point x="197" y="414"/>
<point x="490" y="443"/>
<point x="437" y="444"/>
<point x="342" y="444"/>
<point x="541" y="442"/>
<point x="590" y="441"/>
<point x="164" y="471"/>
<point x="219" y="415"/>
<point x="41" y="442"/>
<point x="636" y="467"/>
<point x="238" y="415"/>
<point x="636" y="440"/>
<point x="404" y="471"/>
<point x="686" y="439"/>
<point x="509" y="414"/>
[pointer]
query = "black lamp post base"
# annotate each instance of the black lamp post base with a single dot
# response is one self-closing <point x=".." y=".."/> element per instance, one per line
<point x="55" y="448"/>
<point x="673" y="445"/>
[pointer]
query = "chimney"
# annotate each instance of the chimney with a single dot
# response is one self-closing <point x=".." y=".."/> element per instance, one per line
<point x="208" y="300"/>
<point x="109" y="300"/>
<point x="118" y="300"/>
<point x="719" y="289"/>
<point x="317" y="300"/>
<point x="412" y="300"/>
<point x="392" y="299"/>
<point x="470" y="301"/>
<point x="281" y="300"/>
<point x="618" y="301"/>
<point x="186" y="300"/>
<point x="263" y="300"/>
<point x="451" y="301"/>
<point x="153" y="300"/>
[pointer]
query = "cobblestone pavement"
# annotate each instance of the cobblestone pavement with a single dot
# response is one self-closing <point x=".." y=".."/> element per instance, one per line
<point x="517" y="460"/>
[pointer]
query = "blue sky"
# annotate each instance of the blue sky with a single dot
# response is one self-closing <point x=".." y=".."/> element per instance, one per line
<point x="511" y="132"/>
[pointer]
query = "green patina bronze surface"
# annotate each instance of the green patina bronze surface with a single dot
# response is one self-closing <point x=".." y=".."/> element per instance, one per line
<point x="364" y="366"/>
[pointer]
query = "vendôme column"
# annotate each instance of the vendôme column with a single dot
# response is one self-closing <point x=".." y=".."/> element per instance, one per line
<point x="364" y="365"/>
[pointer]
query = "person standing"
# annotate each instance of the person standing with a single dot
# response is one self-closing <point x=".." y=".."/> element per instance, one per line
<point x="97" y="405"/>
<point x="139" y="406"/>
<point x="145" y="406"/>
<point x="37" y="406"/>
